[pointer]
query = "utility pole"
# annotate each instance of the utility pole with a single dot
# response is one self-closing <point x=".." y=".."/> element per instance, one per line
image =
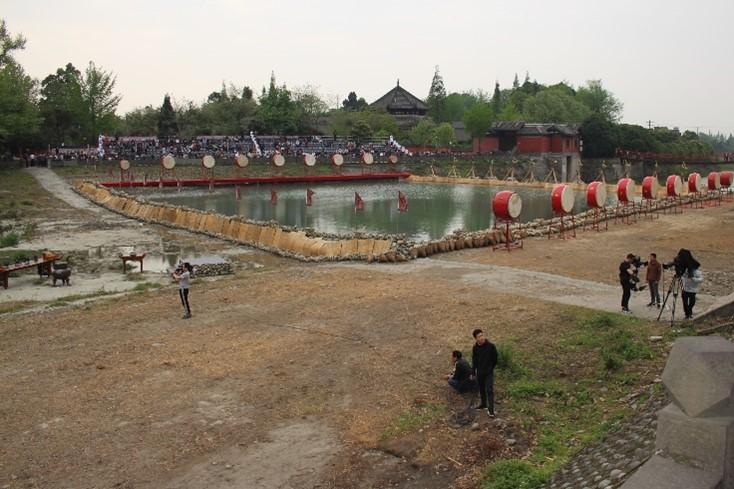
<point x="649" y="124"/>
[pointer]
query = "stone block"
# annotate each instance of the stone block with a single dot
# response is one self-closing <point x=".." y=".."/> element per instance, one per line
<point x="707" y="443"/>
<point x="664" y="473"/>
<point x="700" y="375"/>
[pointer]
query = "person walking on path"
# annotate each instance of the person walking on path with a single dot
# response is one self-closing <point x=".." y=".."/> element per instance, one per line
<point x="483" y="361"/>
<point x="183" y="276"/>
<point x="691" y="282"/>
<point x="652" y="276"/>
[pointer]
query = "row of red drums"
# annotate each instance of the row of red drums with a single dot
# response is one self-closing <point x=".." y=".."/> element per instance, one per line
<point x="507" y="205"/>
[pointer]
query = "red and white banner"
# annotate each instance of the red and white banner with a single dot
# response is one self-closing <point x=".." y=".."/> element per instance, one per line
<point x="309" y="197"/>
<point x="358" y="202"/>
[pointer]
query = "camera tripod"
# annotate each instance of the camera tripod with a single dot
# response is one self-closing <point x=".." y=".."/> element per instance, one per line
<point x="676" y="284"/>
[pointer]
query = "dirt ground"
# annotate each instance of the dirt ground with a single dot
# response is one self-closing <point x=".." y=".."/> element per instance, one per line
<point x="292" y="375"/>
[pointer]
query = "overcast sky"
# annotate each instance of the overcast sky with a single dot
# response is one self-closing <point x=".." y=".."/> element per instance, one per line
<point x="669" y="61"/>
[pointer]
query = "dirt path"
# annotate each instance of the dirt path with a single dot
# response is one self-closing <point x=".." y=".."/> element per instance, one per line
<point x="59" y="188"/>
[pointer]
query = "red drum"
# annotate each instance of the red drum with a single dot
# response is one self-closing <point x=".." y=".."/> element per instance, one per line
<point x="241" y="161"/>
<point x="367" y="158"/>
<point x="278" y="160"/>
<point x="124" y="165"/>
<point x="674" y="186"/>
<point x="208" y="162"/>
<point x="337" y="159"/>
<point x="650" y="187"/>
<point x="695" y="183"/>
<point x="726" y="178"/>
<point x="392" y="159"/>
<point x="562" y="199"/>
<point x="596" y="195"/>
<point x="625" y="190"/>
<point x="168" y="162"/>
<point x="714" y="181"/>
<point x="507" y="205"/>
<point x="309" y="159"/>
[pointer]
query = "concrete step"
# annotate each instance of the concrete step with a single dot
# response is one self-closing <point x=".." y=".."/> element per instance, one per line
<point x="665" y="473"/>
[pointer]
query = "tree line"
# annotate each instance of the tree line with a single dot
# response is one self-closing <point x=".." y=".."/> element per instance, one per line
<point x="72" y="107"/>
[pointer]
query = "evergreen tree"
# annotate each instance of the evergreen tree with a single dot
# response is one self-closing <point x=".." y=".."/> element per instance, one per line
<point x="527" y="78"/>
<point x="436" y="97"/>
<point x="353" y="103"/>
<point x="167" y="125"/>
<point x="496" y="99"/>
<point x="515" y="83"/>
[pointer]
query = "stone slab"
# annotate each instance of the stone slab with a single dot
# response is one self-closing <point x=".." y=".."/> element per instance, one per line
<point x="664" y="473"/>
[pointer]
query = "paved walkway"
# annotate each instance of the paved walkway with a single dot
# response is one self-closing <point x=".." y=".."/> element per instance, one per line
<point x="60" y="189"/>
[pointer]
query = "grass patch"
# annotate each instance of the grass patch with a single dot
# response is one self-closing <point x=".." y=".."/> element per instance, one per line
<point x="64" y="301"/>
<point x="15" y="306"/>
<point x="145" y="286"/>
<point x="9" y="239"/>
<point x="513" y="474"/>
<point x="413" y="419"/>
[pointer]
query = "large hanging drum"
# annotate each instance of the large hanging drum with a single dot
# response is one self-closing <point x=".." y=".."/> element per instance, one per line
<point x="278" y="160"/>
<point x="507" y="205"/>
<point x="626" y="190"/>
<point x="562" y="199"/>
<point x="241" y="161"/>
<point x="696" y="183"/>
<point x="714" y="181"/>
<point x="168" y="162"/>
<point x="392" y="159"/>
<point x="337" y="159"/>
<point x="309" y="159"/>
<point x="367" y="158"/>
<point x="124" y="165"/>
<point x="650" y="187"/>
<point x="726" y="178"/>
<point x="674" y="186"/>
<point x="596" y="195"/>
<point x="208" y="162"/>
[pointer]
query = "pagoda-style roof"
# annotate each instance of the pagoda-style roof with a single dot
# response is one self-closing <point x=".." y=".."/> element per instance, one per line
<point x="534" y="129"/>
<point x="400" y="101"/>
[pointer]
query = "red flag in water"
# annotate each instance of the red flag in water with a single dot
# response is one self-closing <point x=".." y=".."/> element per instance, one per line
<point x="178" y="185"/>
<point x="160" y="183"/>
<point x="358" y="202"/>
<point x="273" y="197"/>
<point x="211" y="186"/>
<point x="237" y="192"/>
<point x="402" y="202"/>
<point x="309" y="197"/>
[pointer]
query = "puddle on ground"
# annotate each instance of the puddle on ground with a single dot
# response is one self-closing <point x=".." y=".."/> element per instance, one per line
<point x="164" y="261"/>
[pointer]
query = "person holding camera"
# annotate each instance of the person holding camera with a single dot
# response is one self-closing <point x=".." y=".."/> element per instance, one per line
<point x="182" y="275"/>
<point x="626" y="275"/>
<point x="652" y="277"/>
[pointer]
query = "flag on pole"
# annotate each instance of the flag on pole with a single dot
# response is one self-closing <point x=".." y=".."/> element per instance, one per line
<point x="273" y="197"/>
<point x="358" y="202"/>
<point x="211" y="186"/>
<point x="160" y="183"/>
<point x="178" y="184"/>
<point x="309" y="197"/>
<point x="402" y="202"/>
<point x="237" y="192"/>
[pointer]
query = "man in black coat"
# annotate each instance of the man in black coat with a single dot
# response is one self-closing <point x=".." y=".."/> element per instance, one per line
<point x="483" y="361"/>
<point x="460" y="378"/>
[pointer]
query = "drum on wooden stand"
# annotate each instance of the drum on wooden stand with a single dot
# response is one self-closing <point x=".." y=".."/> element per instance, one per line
<point x="625" y="211"/>
<point x="714" y="181"/>
<point x="596" y="200"/>
<point x="674" y="186"/>
<point x="337" y="159"/>
<point x="309" y="159"/>
<point x="241" y="161"/>
<point x="278" y="160"/>
<point x="507" y="206"/>
<point x="124" y="165"/>
<point x="626" y="190"/>
<point x="725" y="178"/>
<point x="392" y="159"/>
<point x="650" y="187"/>
<point x="367" y="158"/>
<point x="562" y="202"/>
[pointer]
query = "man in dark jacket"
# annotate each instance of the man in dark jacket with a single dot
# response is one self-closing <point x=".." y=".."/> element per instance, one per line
<point x="483" y="361"/>
<point x="460" y="378"/>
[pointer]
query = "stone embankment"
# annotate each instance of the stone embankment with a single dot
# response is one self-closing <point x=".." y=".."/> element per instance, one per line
<point x="310" y="245"/>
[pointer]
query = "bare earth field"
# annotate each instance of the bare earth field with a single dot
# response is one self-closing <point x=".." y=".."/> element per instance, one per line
<point x="295" y="375"/>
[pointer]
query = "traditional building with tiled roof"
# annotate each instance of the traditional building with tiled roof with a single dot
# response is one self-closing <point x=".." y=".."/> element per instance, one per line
<point x="407" y="109"/>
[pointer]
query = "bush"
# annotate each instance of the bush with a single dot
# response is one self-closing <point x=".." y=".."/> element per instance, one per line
<point x="513" y="474"/>
<point x="10" y="239"/>
<point x="507" y="360"/>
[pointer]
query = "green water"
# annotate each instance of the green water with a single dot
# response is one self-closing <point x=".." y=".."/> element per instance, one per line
<point x="434" y="210"/>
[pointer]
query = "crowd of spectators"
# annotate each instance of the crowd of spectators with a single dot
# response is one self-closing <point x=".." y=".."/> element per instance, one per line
<point x="153" y="148"/>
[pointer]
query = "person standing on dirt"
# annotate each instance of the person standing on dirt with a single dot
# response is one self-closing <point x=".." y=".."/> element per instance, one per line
<point x="460" y="378"/>
<point x="625" y="279"/>
<point x="483" y="361"/>
<point x="652" y="276"/>
<point x="183" y="276"/>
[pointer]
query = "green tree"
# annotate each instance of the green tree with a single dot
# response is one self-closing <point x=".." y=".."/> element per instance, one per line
<point x="142" y="121"/>
<point x="278" y="112"/>
<point x="444" y="135"/>
<point x="496" y="99"/>
<point x="62" y="107"/>
<point x="99" y="99"/>
<point x="353" y="103"/>
<point x="361" y="130"/>
<point x="19" y="117"/>
<point x="599" y="100"/>
<point x="436" y="97"/>
<point x="478" y="120"/>
<point x="423" y="132"/>
<point x="515" y="82"/>
<point x="167" y="125"/>
<point x="600" y="136"/>
<point x="311" y="107"/>
<point x="554" y="104"/>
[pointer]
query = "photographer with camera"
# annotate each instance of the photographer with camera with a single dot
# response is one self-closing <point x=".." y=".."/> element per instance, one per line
<point x="182" y="275"/>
